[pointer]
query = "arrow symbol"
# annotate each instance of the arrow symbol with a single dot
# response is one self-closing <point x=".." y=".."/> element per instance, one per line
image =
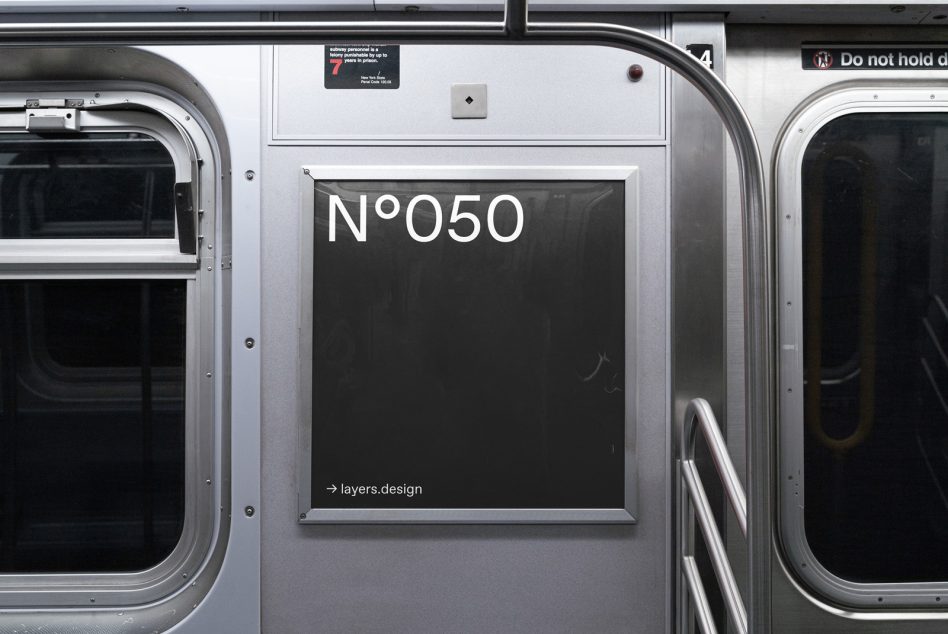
<point x="332" y="489"/>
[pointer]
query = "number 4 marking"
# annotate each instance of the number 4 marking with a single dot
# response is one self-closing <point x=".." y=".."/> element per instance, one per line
<point x="704" y="53"/>
<point x="336" y="63"/>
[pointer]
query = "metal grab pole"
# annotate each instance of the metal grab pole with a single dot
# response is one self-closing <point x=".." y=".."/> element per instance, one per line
<point x="517" y="28"/>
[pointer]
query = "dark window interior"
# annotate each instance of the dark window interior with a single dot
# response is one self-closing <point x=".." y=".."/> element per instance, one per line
<point x="875" y="194"/>
<point x="91" y="424"/>
<point x="490" y="374"/>
<point x="102" y="185"/>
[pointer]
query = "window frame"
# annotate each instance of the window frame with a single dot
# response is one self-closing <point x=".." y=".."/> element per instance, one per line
<point x="140" y="259"/>
<point x="310" y="174"/>
<point x="118" y="252"/>
<point x="795" y="137"/>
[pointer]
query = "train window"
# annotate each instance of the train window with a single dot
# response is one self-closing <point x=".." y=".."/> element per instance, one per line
<point x="85" y="185"/>
<point x="104" y="316"/>
<point x="92" y="419"/>
<point x="469" y="357"/>
<point x="865" y="486"/>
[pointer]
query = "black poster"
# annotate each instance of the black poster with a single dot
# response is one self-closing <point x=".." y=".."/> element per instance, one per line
<point x="361" y="66"/>
<point x="469" y="345"/>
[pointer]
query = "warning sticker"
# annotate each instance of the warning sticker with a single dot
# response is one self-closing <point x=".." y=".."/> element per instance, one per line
<point x="362" y="66"/>
<point x="837" y="57"/>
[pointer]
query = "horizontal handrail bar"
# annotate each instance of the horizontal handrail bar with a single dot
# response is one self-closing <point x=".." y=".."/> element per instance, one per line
<point x="700" y="411"/>
<point x="696" y="587"/>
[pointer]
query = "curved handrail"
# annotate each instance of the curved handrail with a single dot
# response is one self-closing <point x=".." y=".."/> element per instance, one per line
<point x="699" y="415"/>
<point x="517" y="28"/>
<point x="700" y="412"/>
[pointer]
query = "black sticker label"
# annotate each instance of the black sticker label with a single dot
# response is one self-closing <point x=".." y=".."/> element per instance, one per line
<point x="874" y="58"/>
<point x="362" y="66"/>
<point x="704" y="53"/>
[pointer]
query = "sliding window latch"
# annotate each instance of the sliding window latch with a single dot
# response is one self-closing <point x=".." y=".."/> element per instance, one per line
<point x="53" y="115"/>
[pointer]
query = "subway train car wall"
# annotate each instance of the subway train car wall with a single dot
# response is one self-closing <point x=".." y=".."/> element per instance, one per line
<point x="554" y="316"/>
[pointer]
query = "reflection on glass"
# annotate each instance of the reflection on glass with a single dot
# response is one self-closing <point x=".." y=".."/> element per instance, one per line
<point x="105" y="185"/>
<point x="488" y="374"/>
<point x="875" y="202"/>
<point x="91" y="424"/>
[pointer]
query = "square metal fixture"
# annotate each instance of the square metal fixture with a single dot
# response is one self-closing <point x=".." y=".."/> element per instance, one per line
<point x="468" y="101"/>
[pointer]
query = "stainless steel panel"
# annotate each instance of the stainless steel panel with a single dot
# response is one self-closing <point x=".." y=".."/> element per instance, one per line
<point x="697" y="261"/>
<point x="770" y="56"/>
<point x="435" y="578"/>
<point x="552" y="83"/>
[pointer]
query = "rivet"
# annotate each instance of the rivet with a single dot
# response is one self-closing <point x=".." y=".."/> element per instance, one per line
<point x="302" y="516"/>
<point x="208" y="375"/>
<point x="249" y="342"/>
<point x="249" y="511"/>
<point x="249" y="175"/>
<point x="636" y="72"/>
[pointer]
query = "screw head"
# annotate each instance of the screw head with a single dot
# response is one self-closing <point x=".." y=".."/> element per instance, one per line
<point x="249" y="511"/>
<point x="302" y="516"/>
<point x="636" y="72"/>
<point x="249" y="175"/>
<point x="249" y="342"/>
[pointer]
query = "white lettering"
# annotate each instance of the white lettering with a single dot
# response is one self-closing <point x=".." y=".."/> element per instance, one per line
<point x="409" y="218"/>
<point x="335" y="203"/>
<point x="490" y="218"/>
<point x="388" y="206"/>
<point x="386" y="198"/>
<point x="457" y="215"/>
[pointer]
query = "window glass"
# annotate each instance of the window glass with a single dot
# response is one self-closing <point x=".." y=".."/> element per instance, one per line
<point x="100" y="185"/>
<point x="92" y="424"/>
<point x="482" y="371"/>
<point x="875" y="244"/>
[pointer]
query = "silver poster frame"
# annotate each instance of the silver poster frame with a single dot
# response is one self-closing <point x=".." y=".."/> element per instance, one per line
<point x="309" y="515"/>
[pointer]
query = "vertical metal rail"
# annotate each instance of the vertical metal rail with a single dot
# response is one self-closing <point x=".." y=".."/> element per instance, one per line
<point x="517" y="28"/>
<point x="696" y="508"/>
